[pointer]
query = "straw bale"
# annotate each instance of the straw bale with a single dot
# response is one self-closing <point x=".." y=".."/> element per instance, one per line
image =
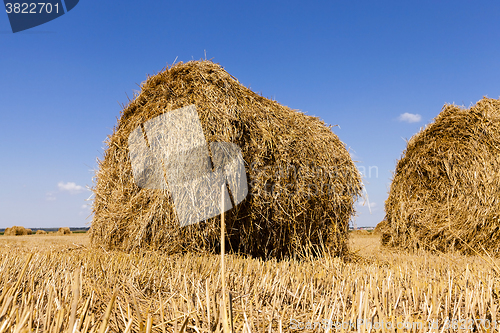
<point x="17" y="231"/>
<point x="360" y="232"/>
<point x="379" y="227"/>
<point x="445" y="195"/>
<point x="64" y="231"/>
<point x="41" y="232"/>
<point x="302" y="181"/>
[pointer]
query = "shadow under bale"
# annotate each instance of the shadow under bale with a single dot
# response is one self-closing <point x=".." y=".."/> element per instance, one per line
<point x="302" y="183"/>
<point x="445" y="195"/>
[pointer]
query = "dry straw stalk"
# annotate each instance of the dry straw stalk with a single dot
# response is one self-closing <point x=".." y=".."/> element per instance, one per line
<point x="131" y="292"/>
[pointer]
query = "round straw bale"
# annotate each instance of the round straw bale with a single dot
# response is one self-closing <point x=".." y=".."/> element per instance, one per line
<point x="302" y="181"/>
<point x="64" y="231"/>
<point x="360" y="232"/>
<point x="17" y="231"/>
<point x="445" y="194"/>
<point x="41" y="232"/>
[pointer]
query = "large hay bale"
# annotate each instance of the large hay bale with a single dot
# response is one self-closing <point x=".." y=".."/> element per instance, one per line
<point x="41" y="232"/>
<point x="445" y="194"/>
<point x="64" y="231"/>
<point x="17" y="231"/>
<point x="303" y="183"/>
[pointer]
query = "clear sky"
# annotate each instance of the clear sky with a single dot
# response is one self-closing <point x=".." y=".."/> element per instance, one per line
<point x="379" y="69"/>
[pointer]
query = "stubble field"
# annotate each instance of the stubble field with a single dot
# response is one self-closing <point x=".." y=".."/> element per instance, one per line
<point x="61" y="284"/>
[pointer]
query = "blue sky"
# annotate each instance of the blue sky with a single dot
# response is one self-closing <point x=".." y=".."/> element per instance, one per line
<point x="357" y="64"/>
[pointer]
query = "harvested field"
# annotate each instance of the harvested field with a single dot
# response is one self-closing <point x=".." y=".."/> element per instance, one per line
<point x="160" y="293"/>
<point x="445" y="195"/>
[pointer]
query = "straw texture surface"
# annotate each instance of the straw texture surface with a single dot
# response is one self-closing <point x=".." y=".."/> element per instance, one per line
<point x="302" y="181"/>
<point x="445" y="194"/>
